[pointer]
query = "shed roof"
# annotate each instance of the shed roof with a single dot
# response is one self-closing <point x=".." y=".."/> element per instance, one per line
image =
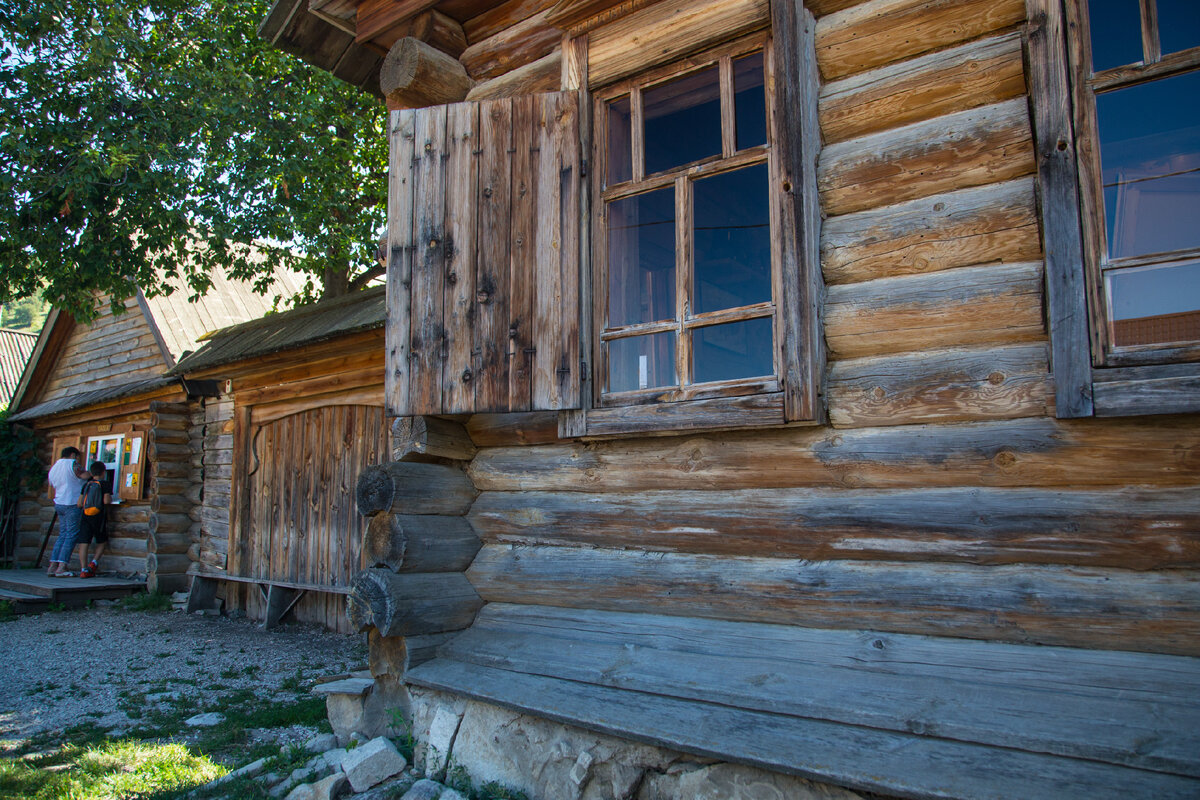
<point x="15" y="348"/>
<point x="282" y="331"/>
<point x="104" y="394"/>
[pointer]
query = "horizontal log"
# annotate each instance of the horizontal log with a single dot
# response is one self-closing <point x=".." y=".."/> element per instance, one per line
<point x="821" y="8"/>
<point x="514" y="46"/>
<point x="169" y="486"/>
<point x="997" y="222"/>
<point x="403" y="487"/>
<point x="170" y="523"/>
<point x="209" y="514"/>
<point x="1156" y="612"/>
<point x="213" y="558"/>
<point x="994" y="304"/>
<point x="168" y="543"/>
<point x="665" y="31"/>
<point x="129" y="514"/>
<point x="168" y="452"/>
<point x="169" y="436"/>
<point x="972" y="75"/>
<point x="176" y="564"/>
<point x="411" y="543"/>
<point x="543" y="75"/>
<point x="1038" y="452"/>
<point x="519" y="428"/>
<point x="875" y="33"/>
<point x="941" y="386"/>
<point x="170" y="504"/>
<point x="173" y="421"/>
<point x="1102" y="706"/>
<point x="169" y="409"/>
<point x="502" y="15"/>
<point x="413" y="437"/>
<point x="410" y="604"/>
<point x="1130" y="528"/>
<point x="175" y="470"/>
<point x="415" y="75"/>
<point x="432" y="27"/>
<point x="396" y="655"/>
<point x="218" y="441"/>
<point x="969" y="148"/>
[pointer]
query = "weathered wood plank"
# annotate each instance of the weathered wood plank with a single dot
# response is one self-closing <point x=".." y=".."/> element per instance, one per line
<point x="427" y="437"/>
<point x="522" y="288"/>
<point x="901" y="764"/>
<point x="512" y="47"/>
<point x="536" y="76"/>
<point x="882" y="31"/>
<point x="429" y="262"/>
<point x="969" y="76"/>
<point x="1157" y="612"/>
<point x="666" y="31"/>
<point x="1173" y="389"/>
<point x="1128" y="528"/>
<point x="401" y="248"/>
<point x="1103" y="706"/>
<point x="941" y="386"/>
<point x="968" y="148"/>
<point x="1025" y="452"/>
<point x="996" y="222"/>
<point x="993" y="304"/>
<point x="491" y="279"/>
<point x="534" y="427"/>
<point x="462" y="176"/>
<point x="757" y="410"/>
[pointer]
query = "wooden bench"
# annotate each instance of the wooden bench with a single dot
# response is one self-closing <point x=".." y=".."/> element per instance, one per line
<point x="912" y="716"/>
<point x="280" y="596"/>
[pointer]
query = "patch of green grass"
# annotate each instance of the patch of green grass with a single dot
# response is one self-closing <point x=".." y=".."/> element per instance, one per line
<point x="56" y="607"/>
<point x="229" y="673"/>
<point x="293" y="683"/>
<point x="116" y="769"/>
<point x="8" y="611"/>
<point x="146" y="601"/>
<point x="52" y="630"/>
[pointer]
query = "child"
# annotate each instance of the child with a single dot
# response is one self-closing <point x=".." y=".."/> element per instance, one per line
<point x="94" y="497"/>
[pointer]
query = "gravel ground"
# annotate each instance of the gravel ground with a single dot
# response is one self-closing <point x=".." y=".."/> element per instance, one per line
<point x="60" y="669"/>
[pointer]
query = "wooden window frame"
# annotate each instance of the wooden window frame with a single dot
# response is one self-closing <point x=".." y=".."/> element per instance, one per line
<point x="1092" y="377"/>
<point x="794" y="393"/>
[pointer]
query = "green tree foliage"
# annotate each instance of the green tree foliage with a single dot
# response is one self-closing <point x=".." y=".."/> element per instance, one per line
<point x="20" y="467"/>
<point x="26" y="314"/>
<point x="144" y="138"/>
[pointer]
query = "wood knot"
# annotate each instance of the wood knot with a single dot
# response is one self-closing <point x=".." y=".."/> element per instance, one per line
<point x="1005" y="458"/>
<point x="487" y="191"/>
<point x="452" y="278"/>
<point x="484" y="297"/>
<point x="466" y="376"/>
<point x="878" y="393"/>
<point x="939" y="206"/>
<point x="996" y="378"/>
<point x="433" y="243"/>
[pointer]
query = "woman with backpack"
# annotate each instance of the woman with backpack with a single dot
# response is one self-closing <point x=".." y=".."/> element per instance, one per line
<point x="94" y="498"/>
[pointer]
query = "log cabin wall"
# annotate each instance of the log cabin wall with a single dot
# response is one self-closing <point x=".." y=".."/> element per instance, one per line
<point x="283" y="445"/>
<point x="942" y="497"/>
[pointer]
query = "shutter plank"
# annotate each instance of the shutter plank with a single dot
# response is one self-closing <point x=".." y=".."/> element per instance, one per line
<point x="491" y="269"/>
<point x="429" y="262"/>
<point x="524" y="254"/>
<point x="458" y="384"/>
<point x="399" y="269"/>
<point x="556" y="326"/>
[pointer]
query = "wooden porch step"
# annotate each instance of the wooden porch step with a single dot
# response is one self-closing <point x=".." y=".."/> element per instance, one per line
<point x="23" y="602"/>
<point x="912" y="716"/>
<point x="19" y="581"/>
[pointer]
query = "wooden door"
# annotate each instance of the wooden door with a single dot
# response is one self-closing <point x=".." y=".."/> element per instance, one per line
<point x="302" y="525"/>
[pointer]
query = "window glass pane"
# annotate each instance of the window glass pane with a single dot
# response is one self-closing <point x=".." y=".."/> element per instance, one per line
<point x="732" y="240"/>
<point x="750" y="103"/>
<point x="1155" y="304"/>
<point x="642" y="362"/>
<point x="620" y="141"/>
<point x="683" y="120"/>
<point x="1116" y="27"/>
<point x="641" y="258"/>
<point x="1150" y="154"/>
<point x="1178" y="25"/>
<point x="731" y="351"/>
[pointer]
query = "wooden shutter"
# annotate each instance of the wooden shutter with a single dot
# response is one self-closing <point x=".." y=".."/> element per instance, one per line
<point x="484" y="223"/>
<point x="131" y="467"/>
<point x="56" y="448"/>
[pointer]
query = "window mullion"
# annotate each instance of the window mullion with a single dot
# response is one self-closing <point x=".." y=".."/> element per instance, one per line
<point x="683" y="278"/>
<point x="728" y="113"/>
<point x="1151" y="47"/>
<point x="639" y="133"/>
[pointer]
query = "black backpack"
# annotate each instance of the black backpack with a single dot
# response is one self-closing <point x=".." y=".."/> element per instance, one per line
<point x="93" y="498"/>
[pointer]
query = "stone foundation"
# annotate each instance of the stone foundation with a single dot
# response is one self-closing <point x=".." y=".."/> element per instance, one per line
<point x="457" y="738"/>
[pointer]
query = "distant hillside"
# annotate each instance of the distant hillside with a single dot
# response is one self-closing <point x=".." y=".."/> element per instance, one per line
<point x="27" y="314"/>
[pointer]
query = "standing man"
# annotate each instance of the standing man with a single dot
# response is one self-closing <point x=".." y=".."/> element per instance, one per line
<point x="66" y="478"/>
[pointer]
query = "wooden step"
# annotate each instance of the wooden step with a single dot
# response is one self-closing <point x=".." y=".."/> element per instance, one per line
<point x="32" y="582"/>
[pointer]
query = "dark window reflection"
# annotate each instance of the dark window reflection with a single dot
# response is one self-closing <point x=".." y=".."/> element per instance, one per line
<point x="1178" y="24"/>
<point x="620" y="141"/>
<point x="1154" y="305"/>
<point x="732" y="240"/>
<point x="641" y="258"/>
<point x="641" y="362"/>
<point x="1116" y="27"/>
<point x="750" y="103"/>
<point x="731" y="351"/>
<point x="1150" y="154"/>
<point x="683" y="120"/>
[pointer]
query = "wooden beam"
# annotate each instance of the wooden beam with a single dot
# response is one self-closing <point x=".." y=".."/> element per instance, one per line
<point x="419" y="437"/>
<point x="412" y="603"/>
<point x="542" y="75"/>
<point x="403" y="487"/>
<point x="375" y="17"/>
<point x="414" y="543"/>
<point x="415" y="75"/>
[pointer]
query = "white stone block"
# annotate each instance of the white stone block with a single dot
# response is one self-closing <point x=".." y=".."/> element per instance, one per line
<point x="331" y="787"/>
<point x="441" y="740"/>
<point x="205" y="720"/>
<point x="372" y="763"/>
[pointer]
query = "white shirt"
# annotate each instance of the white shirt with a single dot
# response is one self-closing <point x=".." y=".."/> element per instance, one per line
<point x="67" y="485"/>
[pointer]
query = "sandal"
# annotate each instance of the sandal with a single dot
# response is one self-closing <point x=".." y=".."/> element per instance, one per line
<point x="63" y="575"/>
